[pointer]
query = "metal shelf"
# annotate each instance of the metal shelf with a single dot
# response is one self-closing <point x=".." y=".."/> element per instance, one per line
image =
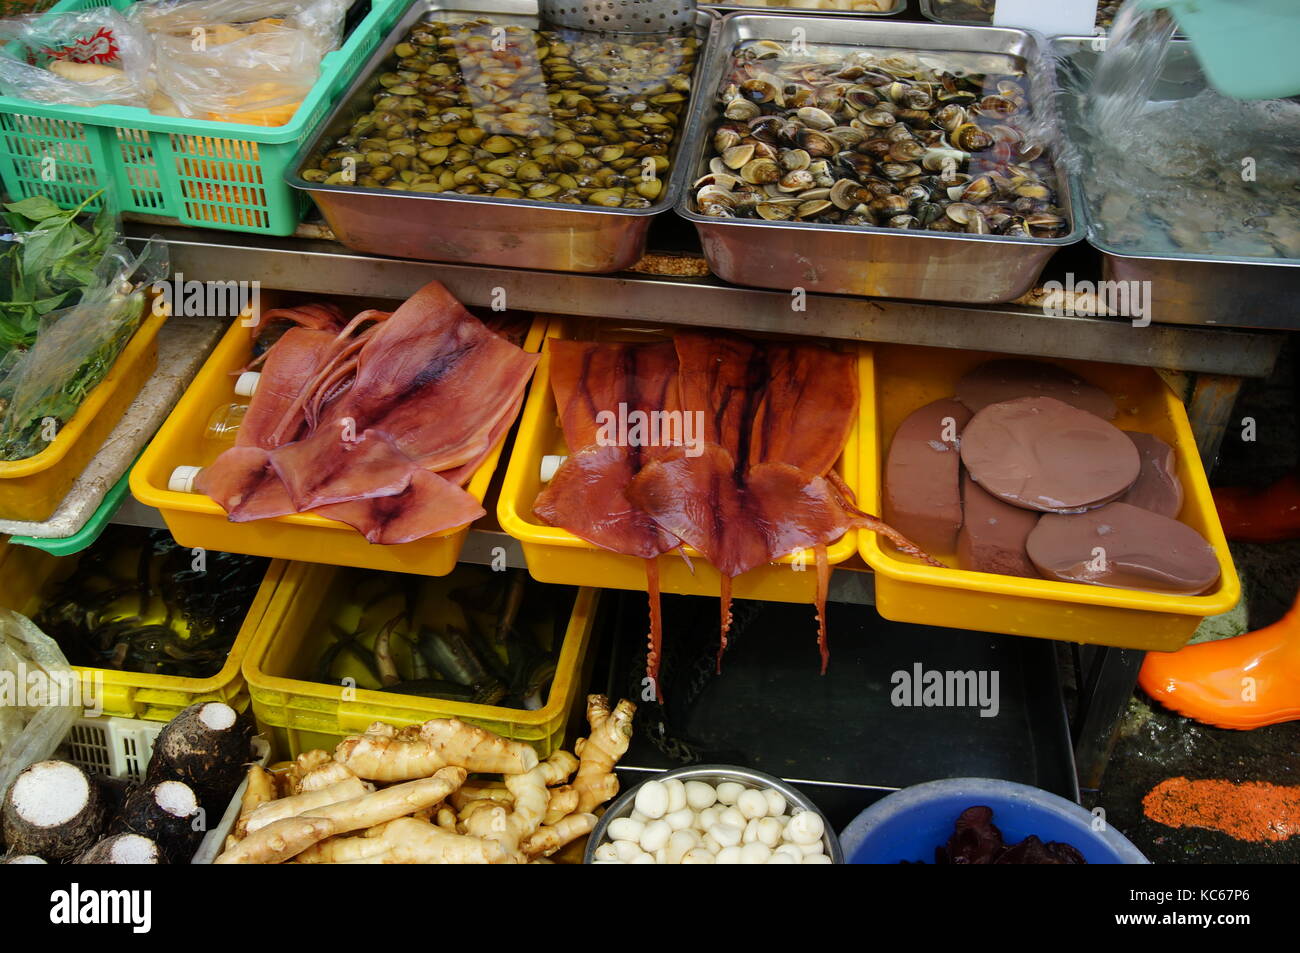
<point x="325" y="267"/>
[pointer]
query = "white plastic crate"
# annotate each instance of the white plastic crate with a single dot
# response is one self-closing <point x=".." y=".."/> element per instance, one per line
<point x="121" y="747"/>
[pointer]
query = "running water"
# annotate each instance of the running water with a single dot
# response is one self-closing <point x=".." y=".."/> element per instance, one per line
<point x="1176" y="167"/>
<point x="1129" y="69"/>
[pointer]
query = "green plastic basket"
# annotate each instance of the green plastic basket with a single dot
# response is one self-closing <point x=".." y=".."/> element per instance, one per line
<point x="199" y="172"/>
<point x="84" y="537"/>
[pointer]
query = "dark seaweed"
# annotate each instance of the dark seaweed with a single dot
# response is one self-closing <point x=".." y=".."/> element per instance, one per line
<point x="976" y="840"/>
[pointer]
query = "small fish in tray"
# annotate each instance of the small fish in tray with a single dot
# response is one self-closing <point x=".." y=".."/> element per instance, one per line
<point x="138" y="602"/>
<point x="471" y="646"/>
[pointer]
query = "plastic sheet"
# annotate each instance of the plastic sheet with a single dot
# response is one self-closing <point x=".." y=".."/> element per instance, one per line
<point x="89" y="58"/>
<point x="34" y="679"/>
<point x="250" y="61"/>
<point x="42" y="387"/>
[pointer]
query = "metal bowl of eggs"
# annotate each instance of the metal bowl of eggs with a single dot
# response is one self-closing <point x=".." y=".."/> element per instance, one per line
<point x="713" y="814"/>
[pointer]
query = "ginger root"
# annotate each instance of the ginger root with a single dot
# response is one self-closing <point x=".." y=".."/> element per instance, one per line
<point x="611" y="732"/>
<point x="546" y="840"/>
<point x="283" y="839"/>
<point x="385" y="754"/>
<point x="406" y="841"/>
<point x="260" y="790"/>
<point x="296" y="804"/>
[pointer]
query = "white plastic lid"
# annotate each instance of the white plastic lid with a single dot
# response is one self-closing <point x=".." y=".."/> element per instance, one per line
<point x="246" y="385"/>
<point x="182" y="479"/>
<point x="550" y="463"/>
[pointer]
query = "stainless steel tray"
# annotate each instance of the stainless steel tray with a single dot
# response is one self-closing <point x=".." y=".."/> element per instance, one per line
<point x="928" y="10"/>
<point x="482" y="230"/>
<point x="1187" y="288"/>
<point x="863" y="260"/>
<point x="776" y="6"/>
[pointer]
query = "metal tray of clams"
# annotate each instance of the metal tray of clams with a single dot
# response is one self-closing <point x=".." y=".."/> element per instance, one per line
<point x="980" y="12"/>
<point x="852" y="8"/>
<point x="904" y="223"/>
<point x="505" y="204"/>
<point x="1220" y="250"/>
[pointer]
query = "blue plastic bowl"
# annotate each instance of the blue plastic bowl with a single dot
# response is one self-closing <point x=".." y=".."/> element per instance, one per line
<point x="909" y="824"/>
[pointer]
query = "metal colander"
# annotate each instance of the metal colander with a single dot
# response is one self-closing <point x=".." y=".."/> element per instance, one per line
<point x="620" y="16"/>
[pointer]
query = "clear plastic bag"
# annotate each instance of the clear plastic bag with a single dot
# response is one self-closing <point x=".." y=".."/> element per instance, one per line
<point x="90" y="58"/>
<point x="34" y="678"/>
<point x="74" y="350"/>
<point x="249" y="61"/>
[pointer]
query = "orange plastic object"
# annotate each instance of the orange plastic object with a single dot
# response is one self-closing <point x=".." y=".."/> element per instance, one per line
<point x="1243" y="683"/>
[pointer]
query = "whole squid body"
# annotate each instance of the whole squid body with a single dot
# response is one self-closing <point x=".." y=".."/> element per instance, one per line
<point x="757" y="486"/>
<point x="376" y="423"/>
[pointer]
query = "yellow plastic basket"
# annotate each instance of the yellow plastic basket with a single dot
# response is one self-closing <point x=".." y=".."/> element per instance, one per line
<point x="905" y="378"/>
<point x="300" y="715"/>
<point x="32" y="489"/>
<point x="556" y="555"/>
<point x="196" y="520"/>
<point x="26" y="578"/>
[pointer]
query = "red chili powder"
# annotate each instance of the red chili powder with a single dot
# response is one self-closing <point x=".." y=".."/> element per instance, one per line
<point x="1251" y="811"/>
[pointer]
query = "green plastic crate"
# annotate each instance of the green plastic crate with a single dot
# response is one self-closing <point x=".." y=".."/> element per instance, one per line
<point x="200" y="172"/>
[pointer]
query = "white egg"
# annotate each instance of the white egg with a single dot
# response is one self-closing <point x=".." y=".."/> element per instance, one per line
<point x="730" y="791"/>
<point x="755" y="853"/>
<point x="655" y="835"/>
<point x="727" y="835"/>
<point x="679" y="845"/>
<point x="698" y="856"/>
<point x="729" y="855"/>
<point x="775" y="802"/>
<point x="733" y="817"/>
<point x="681" y="820"/>
<point x="805" y="828"/>
<point x="652" y="799"/>
<point x="707" y="818"/>
<point x="752" y="804"/>
<point x="751" y="831"/>
<point x="700" y="795"/>
<point x="606" y="851"/>
<point x="676" y="794"/>
<point x="769" y="831"/>
<point x="627" y="850"/>
<point x="792" y="850"/>
<point x="624" y="828"/>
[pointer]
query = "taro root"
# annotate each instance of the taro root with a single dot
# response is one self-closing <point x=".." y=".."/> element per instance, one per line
<point x="52" y="810"/>
<point x="165" y="813"/>
<point x="123" y="849"/>
<point x="206" y="746"/>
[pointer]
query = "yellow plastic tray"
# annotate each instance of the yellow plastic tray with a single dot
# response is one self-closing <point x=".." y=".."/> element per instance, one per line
<point x="300" y="715"/>
<point x="196" y="520"/>
<point x="905" y="378"/>
<point x="32" y="489"/>
<point x="26" y="578"/>
<point x="556" y="555"/>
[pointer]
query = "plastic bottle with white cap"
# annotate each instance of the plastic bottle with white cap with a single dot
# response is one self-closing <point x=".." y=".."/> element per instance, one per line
<point x="223" y="424"/>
